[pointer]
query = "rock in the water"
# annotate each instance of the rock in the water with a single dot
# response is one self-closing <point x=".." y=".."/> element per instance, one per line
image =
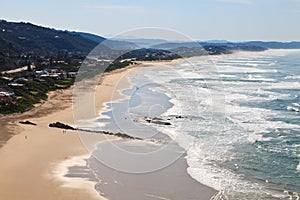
<point x="161" y="122"/>
<point x="157" y="120"/>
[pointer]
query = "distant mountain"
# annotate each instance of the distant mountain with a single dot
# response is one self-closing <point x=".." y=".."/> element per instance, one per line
<point x="269" y="45"/>
<point x="188" y="49"/>
<point x="143" y="42"/>
<point x="120" y="45"/>
<point x="217" y="41"/>
<point x="242" y="45"/>
<point x="113" y="44"/>
<point x="175" y="45"/>
<point x="210" y="47"/>
<point x="93" y="37"/>
<point x="29" y="38"/>
<point x="275" y="45"/>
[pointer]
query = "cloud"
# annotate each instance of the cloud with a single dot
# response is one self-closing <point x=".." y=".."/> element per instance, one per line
<point x="236" y="1"/>
<point x="117" y="8"/>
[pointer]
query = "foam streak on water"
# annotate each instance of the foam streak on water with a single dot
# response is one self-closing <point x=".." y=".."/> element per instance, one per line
<point x="253" y="150"/>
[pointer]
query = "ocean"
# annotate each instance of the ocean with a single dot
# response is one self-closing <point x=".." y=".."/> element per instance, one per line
<point x="236" y="119"/>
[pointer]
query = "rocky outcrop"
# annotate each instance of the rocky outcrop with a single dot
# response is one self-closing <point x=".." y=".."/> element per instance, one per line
<point x="157" y="120"/>
<point x="67" y="127"/>
<point x="121" y="135"/>
<point x="28" y="123"/>
<point x="61" y="125"/>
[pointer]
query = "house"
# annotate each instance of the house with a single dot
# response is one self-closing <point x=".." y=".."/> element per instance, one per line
<point x="54" y="76"/>
<point x="52" y="73"/>
<point x="6" y="91"/>
<point x="6" y="94"/>
<point x="16" y="84"/>
<point x="7" y="78"/>
<point x="42" y="73"/>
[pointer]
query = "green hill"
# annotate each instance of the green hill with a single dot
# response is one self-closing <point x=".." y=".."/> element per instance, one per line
<point x="16" y="38"/>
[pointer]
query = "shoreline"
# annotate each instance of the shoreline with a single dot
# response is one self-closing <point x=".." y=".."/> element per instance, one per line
<point x="176" y="169"/>
<point x="33" y="157"/>
<point x="57" y="151"/>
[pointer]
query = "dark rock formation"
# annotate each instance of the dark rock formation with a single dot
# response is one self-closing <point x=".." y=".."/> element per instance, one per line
<point x="28" y="123"/>
<point x="121" y="135"/>
<point x="161" y="122"/>
<point x="157" y="120"/>
<point x="61" y="125"/>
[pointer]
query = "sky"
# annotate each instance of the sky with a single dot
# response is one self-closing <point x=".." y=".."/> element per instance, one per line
<point x="234" y="20"/>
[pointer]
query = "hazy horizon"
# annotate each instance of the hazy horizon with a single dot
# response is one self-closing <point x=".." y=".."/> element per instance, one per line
<point x="233" y="20"/>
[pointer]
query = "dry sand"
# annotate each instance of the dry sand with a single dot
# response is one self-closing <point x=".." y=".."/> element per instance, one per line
<point x="34" y="160"/>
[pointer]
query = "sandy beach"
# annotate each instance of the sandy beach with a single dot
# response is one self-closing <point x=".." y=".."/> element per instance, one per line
<point x="35" y="159"/>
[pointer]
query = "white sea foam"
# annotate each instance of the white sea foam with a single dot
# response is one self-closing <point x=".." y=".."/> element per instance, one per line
<point x="211" y="140"/>
<point x="284" y="85"/>
<point x="292" y="77"/>
<point x="61" y="169"/>
<point x="293" y="108"/>
<point x="296" y="104"/>
<point x="298" y="167"/>
<point x="235" y="69"/>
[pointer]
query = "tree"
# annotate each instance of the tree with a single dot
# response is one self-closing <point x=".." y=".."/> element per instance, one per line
<point x="29" y="66"/>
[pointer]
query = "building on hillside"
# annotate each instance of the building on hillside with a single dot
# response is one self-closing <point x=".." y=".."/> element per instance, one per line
<point x="16" y="84"/>
<point x="6" y="91"/>
<point x="52" y="73"/>
<point x="6" y="94"/>
<point x="72" y="74"/>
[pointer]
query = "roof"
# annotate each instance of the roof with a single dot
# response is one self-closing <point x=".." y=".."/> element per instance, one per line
<point x="6" y="91"/>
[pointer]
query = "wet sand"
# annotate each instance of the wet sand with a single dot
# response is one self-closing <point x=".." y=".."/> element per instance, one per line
<point x="171" y="182"/>
<point x="141" y="170"/>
